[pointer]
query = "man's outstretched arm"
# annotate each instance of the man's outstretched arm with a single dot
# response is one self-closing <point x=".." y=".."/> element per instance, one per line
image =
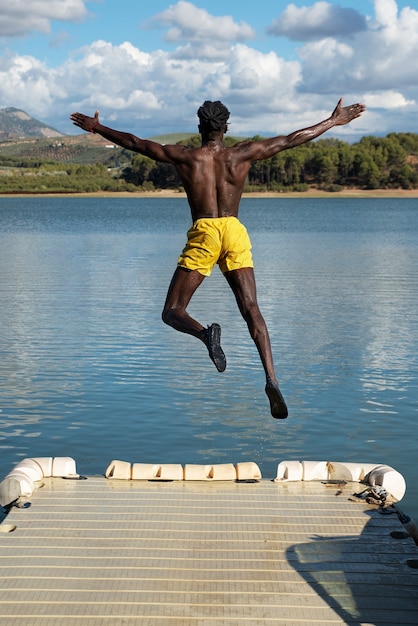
<point x="148" y="148"/>
<point x="339" y="117"/>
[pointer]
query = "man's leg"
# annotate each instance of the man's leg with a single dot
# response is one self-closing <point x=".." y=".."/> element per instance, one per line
<point x="182" y="287"/>
<point x="242" y="283"/>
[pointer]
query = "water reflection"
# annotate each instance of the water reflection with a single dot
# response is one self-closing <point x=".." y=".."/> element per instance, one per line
<point x="88" y="370"/>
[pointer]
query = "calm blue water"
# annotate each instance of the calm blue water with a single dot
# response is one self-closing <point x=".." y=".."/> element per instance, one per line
<point x="87" y="368"/>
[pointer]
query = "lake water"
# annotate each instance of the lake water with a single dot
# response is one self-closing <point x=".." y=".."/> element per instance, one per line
<point x="88" y="370"/>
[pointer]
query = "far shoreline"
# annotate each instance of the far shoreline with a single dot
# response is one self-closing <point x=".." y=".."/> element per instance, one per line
<point x="168" y="193"/>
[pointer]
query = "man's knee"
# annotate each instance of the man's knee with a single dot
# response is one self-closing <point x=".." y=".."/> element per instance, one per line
<point x="166" y="317"/>
<point x="255" y="321"/>
<point x="171" y="315"/>
<point x="251" y="312"/>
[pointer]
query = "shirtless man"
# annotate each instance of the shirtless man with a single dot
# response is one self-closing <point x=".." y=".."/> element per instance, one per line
<point x="213" y="177"/>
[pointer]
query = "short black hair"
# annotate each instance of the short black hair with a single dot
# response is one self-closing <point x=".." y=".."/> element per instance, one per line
<point x="213" y="115"/>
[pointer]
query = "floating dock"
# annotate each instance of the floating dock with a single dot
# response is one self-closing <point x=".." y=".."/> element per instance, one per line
<point x="204" y="553"/>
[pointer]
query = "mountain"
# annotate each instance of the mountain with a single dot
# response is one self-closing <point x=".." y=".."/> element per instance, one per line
<point x="16" y="124"/>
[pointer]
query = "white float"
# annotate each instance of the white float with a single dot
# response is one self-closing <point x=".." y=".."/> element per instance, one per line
<point x="26" y="475"/>
<point x="21" y="481"/>
<point x="372" y="474"/>
<point x="388" y="478"/>
<point x="248" y="471"/>
<point x="122" y="470"/>
<point x="224" y="471"/>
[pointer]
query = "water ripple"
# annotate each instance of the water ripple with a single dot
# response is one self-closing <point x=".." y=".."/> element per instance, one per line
<point x="87" y="368"/>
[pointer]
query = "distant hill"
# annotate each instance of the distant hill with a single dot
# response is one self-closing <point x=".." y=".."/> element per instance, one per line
<point x="16" y="124"/>
<point x="23" y="137"/>
<point x="172" y="137"/>
<point x="83" y="148"/>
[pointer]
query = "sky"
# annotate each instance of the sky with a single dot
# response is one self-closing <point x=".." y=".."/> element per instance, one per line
<point x="147" y="66"/>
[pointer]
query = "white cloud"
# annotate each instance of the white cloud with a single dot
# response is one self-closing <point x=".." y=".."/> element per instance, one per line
<point x="20" y="17"/>
<point x="252" y="83"/>
<point x="191" y="23"/>
<point x="388" y="100"/>
<point x="319" y="20"/>
<point x="159" y="91"/>
<point x="206" y="35"/>
<point x="28" y="82"/>
<point x="386" y="12"/>
<point x="378" y="62"/>
<point x="145" y="92"/>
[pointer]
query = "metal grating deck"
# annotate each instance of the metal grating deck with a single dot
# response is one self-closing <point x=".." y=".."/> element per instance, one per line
<point x="107" y="552"/>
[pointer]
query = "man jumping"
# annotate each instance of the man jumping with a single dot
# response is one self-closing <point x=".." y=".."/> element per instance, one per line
<point x="213" y="177"/>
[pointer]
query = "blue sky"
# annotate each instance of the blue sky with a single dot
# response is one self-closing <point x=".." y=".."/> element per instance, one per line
<point x="147" y="66"/>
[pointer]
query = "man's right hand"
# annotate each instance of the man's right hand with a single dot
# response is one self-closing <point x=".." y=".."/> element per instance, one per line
<point x="85" y="122"/>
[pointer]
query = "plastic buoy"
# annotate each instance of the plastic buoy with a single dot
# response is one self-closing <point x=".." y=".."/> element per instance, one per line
<point x="21" y="481"/>
<point x="248" y="471"/>
<point x="388" y="478"/>
<point x="120" y="470"/>
<point x="224" y="471"/>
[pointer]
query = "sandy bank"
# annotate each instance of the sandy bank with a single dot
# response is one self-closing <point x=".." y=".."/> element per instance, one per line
<point x="312" y="193"/>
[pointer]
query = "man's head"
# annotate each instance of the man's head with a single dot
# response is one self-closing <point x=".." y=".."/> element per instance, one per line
<point x="213" y="117"/>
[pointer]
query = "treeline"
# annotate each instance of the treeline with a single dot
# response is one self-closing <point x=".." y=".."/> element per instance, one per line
<point x="29" y="176"/>
<point x="330" y="164"/>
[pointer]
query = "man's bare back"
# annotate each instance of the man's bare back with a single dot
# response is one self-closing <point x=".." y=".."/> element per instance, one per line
<point x="213" y="180"/>
<point x="213" y="177"/>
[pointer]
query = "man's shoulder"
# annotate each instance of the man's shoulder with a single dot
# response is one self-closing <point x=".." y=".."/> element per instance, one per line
<point x="177" y="152"/>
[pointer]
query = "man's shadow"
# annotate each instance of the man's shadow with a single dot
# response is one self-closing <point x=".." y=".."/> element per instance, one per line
<point x="365" y="579"/>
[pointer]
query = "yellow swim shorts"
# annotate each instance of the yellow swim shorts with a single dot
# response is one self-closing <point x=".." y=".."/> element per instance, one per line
<point x="222" y="240"/>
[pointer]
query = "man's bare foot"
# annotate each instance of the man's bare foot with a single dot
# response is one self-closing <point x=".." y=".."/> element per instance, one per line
<point x="278" y="406"/>
<point x="212" y="340"/>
